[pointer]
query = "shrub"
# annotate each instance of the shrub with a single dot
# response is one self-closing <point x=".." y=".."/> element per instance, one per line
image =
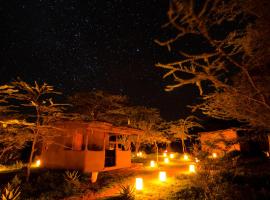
<point x="127" y="193"/>
<point x="12" y="190"/>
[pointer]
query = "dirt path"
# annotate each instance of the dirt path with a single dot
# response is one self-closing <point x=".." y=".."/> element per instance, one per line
<point x="153" y="188"/>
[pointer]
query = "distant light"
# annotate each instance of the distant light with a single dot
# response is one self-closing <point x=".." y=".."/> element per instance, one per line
<point x="192" y="168"/>
<point x="166" y="151"/>
<point x="162" y="176"/>
<point x="152" y="163"/>
<point x="139" y="183"/>
<point x="214" y="155"/>
<point x="197" y="160"/>
<point x="139" y="154"/>
<point x="38" y="163"/>
<point x="166" y="160"/>
<point x="171" y="155"/>
<point x="186" y="157"/>
<point x="164" y="154"/>
<point x="4" y="125"/>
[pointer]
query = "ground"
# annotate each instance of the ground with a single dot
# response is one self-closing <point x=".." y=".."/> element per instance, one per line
<point x="177" y="176"/>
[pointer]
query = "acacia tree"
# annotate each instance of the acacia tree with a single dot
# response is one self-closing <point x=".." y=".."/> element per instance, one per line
<point x="32" y="107"/>
<point x="233" y="63"/>
<point x="143" y="118"/>
<point x="96" y="105"/>
<point x="180" y="129"/>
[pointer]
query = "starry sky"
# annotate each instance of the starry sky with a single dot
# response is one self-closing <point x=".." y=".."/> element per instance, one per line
<point x="80" y="45"/>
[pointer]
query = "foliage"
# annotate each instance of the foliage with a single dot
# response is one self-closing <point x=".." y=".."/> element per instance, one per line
<point x="72" y="178"/>
<point x="180" y="129"/>
<point x="230" y="68"/>
<point x="127" y="193"/>
<point x="219" y="178"/>
<point x="31" y="114"/>
<point x="12" y="190"/>
<point x="50" y="185"/>
<point x="192" y="193"/>
<point x="96" y="105"/>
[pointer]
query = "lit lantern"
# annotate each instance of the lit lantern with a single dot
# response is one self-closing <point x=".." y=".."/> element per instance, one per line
<point x="214" y="155"/>
<point x="166" y="160"/>
<point x="38" y="163"/>
<point x="164" y="154"/>
<point x="139" y="154"/>
<point x="162" y="176"/>
<point x="171" y="155"/>
<point x="152" y="163"/>
<point x="186" y="157"/>
<point x="139" y="183"/>
<point x="192" y="168"/>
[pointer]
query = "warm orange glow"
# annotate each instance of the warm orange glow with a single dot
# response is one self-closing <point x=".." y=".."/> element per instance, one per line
<point x="186" y="157"/>
<point x="152" y="163"/>
<point x="197" y="160"/>
<point x="166" y="160"/>
<point x="192" y="168"/>
<point x="171" y="155"/>
<point x="139" y="154"/>
<point x="38" y="163"/>
<point x="164" y="154"/>
<point x="139" y="183"/>
<point x="214" y="155"/>
<point x="162" y="176"/>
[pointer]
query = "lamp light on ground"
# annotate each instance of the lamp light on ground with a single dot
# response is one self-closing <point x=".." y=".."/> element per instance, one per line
<point x="139" y="183"/>
<point x="152" y="163"/>
<point x="186" y="158"/>
<point x="214" y="155"/>
<point x="171" y="155"/>
<point x="162" y="176"/>
<point x="192" y="168"/>
<point x="166" y="160"/>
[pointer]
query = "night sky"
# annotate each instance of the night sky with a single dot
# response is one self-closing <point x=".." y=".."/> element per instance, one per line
<point x="80" y="45"/>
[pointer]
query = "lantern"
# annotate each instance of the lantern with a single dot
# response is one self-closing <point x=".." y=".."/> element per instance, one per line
<point x="192" y="168"/>
<point x="139" y="183"/>
<point x="139" y="154"/>
<point x="152" y="163"/>
<point x="214" y="155"/>
<point x="162" y="176"/>
<point x="186" y="157"/>
<point x="38" y="163"/>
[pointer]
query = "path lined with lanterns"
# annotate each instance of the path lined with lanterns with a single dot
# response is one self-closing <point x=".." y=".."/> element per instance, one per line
<point x="156" y="180"/>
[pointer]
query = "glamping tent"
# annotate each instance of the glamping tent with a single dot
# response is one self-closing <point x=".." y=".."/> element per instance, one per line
<point x="89" y="147"/>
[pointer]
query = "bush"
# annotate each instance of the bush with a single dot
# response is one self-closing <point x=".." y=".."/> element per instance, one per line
<point x="191" y="193"/>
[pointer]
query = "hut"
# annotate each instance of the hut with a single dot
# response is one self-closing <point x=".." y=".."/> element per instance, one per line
<point x="89" y="147"/>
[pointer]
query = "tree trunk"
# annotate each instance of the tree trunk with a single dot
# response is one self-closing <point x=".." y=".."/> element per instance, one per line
<point x="157" y="150"/>
<point x="137" y="145"/>
<point x="36" y="132"/>
<point x="183" y="146"/>
<point x="31" y="158"/>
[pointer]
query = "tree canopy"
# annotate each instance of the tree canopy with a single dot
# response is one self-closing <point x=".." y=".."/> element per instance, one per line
<point x="230" y="66"/>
